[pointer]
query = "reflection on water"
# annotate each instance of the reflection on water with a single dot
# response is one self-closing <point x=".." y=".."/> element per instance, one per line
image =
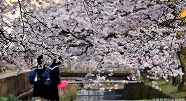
<point x="89" y="95"/>
<point x="97" y="95"/>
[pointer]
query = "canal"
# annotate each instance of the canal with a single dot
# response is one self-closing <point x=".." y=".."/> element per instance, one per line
<point x="98" y="95"/>
<point x="113" y="90"/>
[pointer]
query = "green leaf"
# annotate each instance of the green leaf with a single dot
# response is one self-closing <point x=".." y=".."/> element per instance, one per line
<point x="3" y="99"/>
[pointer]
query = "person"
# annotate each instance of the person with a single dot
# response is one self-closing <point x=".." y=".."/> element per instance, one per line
<point x="39" y="90"/>
<point x="52" y="89"/>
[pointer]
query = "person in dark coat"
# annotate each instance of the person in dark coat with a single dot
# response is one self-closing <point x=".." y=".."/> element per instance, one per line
<point x="39" y="90"/>
<point x="52" y="89"/>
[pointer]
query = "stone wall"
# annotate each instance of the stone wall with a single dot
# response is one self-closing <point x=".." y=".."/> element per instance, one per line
<point x="15" y="85"/>
<point x="141" y="92"/>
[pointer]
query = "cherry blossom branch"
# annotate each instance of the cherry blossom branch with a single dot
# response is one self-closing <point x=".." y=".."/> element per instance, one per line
<point x="21" y="14"/>
<point x="41" y="23"/>
<point x="89" y="15"/>
<point x="6" y="38"/>
<point x="46" y="48"/>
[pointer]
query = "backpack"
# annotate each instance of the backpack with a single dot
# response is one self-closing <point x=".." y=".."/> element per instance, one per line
<point x="32" y="76"/>
<point x="46" y="76"/>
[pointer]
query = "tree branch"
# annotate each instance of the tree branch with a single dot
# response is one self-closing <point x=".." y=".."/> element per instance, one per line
<point x="21" y="14"/>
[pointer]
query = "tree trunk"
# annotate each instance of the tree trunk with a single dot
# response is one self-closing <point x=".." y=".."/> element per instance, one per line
<point x="182" y="58"/>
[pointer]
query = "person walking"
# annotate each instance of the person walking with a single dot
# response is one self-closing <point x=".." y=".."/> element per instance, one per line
<point x="52" y="89"/>
<point x="39" y="90"/>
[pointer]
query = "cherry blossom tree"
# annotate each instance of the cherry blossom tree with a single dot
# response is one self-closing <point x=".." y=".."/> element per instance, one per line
<point x="140" y="34"/>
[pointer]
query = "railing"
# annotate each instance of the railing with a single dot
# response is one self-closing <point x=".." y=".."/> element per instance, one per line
<point x="113" y="81"/>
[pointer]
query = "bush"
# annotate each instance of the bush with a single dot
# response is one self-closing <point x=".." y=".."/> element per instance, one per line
<point x="3" y="99"/>
<point x="11" y="97"/>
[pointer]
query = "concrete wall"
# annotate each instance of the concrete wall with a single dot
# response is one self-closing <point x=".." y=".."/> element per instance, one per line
<point x="15" y="85"/>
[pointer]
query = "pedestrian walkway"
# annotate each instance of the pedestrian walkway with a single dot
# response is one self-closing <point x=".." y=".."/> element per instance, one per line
<point x="9" y="73"/>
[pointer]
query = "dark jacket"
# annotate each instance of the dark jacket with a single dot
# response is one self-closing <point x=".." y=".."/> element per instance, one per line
<point x="52" y="90"/>
<point x="39" y="90"/>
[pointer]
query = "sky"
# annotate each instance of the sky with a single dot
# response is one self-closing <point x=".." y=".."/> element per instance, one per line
<point x="12" y="16"/>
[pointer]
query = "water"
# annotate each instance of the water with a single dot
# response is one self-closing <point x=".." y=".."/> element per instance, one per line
<point x="97" y="95"/>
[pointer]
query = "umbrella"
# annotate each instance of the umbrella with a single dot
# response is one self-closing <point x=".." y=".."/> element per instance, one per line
<point x="62" y="84"/>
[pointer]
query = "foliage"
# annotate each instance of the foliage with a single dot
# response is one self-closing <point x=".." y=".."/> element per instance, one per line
<point x="3" y="99"/>
<point x="167" y="88"/>
<point x="68" y="93"/>
<point x="10" y="97"/>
